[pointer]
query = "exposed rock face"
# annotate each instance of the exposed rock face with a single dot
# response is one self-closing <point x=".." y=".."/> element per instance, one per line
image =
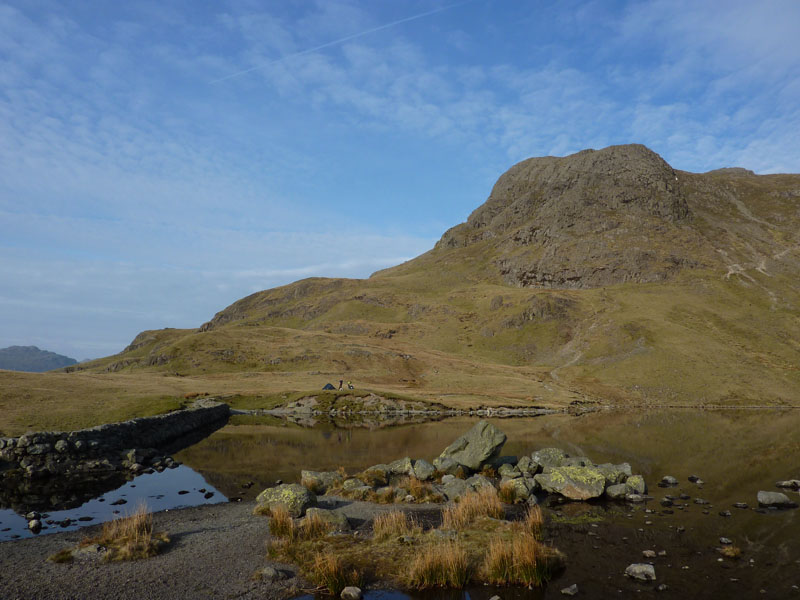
<point x="292" y="496"/>
<point x="478" y="445"/>
<point x="555" y="221"/>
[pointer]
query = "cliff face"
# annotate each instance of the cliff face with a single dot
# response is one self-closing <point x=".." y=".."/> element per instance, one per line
<point x="594" y="218"/>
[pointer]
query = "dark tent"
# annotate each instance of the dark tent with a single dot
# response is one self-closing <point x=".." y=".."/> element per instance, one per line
<point x="328" y="386"/>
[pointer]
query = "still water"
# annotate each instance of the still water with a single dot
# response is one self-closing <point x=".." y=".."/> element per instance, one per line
<point x="735" y="452"/>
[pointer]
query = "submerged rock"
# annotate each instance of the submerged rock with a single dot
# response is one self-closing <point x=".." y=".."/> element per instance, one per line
<point x="776" y="499"/>
<point x="575" y="483"/>
<point x="292" y="496"/>
<point x="481" y="443"/>
<point x="641" y="572"/>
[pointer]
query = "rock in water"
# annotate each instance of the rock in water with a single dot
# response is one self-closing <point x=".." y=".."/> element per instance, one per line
<point x="575" y="483"/>
<point x="480" y="444"/>
<point x="776" y="499"/>
<point x="293" y="496"/>
<point x="641" y="572"/>
<point x="571" y="590"/>
<point x="351" y="592"/>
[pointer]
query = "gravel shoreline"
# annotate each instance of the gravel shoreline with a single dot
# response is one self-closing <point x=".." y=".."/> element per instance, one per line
<point x="214" y="552"/>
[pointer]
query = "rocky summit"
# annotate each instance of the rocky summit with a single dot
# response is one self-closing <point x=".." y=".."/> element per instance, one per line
<point x="607" y="276"/>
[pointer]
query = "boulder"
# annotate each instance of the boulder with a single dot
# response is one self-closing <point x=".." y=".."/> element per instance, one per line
<point x="641" y="572"/>
<point x="478" y="482"/>
<point x="337" y="520"/>
<point x="509" y="471"/>
<point x="520" y="486"/>
<point x="480" y="444"/>
<point x="351" y="592"/>
<point x="636" y="484"/>
<point x="423" y="470"/>
<point x="402" y="466"/>
<point x="320" y="482"/>
<point x="292" y="496"/>
<point x="793" y="484"/>
<point x="618" y="491"/>
<point x="776" y="499"/>
<point x="376" y="475"/>
<point x="548" y="457"/>
<point x="575" y="483"/>
<point x="527" y="467"/>
<point x="615" y="474"/>
<point x="452" y="487"/>
<point x="445" y="465"/>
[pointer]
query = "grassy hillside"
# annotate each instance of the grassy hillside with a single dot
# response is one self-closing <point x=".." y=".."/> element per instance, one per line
<point x="688" y="297"/>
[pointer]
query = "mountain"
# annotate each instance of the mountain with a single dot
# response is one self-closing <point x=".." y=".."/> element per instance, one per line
<point x="30" y="358"/>
<point x="603" y="276"/>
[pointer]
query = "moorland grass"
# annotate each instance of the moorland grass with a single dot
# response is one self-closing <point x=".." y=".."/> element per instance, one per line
<point x="482" y="503"/>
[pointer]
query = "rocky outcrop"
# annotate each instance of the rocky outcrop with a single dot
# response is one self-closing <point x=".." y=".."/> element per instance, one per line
<point x="556" y="222"/>
<point x="574" y="483"/>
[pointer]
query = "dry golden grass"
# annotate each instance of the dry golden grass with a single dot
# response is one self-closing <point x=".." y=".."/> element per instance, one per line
<point x="507" y="493"/>
<point x="443" y="565"/>
<point x="330" y="573"/>
<point x="482" y="503"/>
<point x="395" y="524"/>
<point x="281" y="524"/>
<point x="130" y="537"/>
<point x="313" y="526"/>
<point x="532" y="523"/>
<point x="523" y="561"/>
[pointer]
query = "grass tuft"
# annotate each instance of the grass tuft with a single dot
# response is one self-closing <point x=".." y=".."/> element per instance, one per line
<point x="532" y="523"/>
<point x="330" y="573"/>
<point x="313" y="526"/>
<point x="130" y="537"/>
<point x="731" y="551"/>
<point x="281" y="524"/>
<point x="507" y="493"/>
<point x="522" y="561"/>
<point x="394" y="524"/>
<point x="440" y="565"/>
<point x="482" y="503"/>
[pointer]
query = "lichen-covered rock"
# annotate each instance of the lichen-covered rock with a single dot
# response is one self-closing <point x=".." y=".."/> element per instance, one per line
<point x="480" y="444"/>
<point x="548" y="457"/>
<point x="575" y="483"/>
<point x="376" y="475"/>
<point x="402" y="466"/>
<point x="423" y="470"/>
<point x="614" y="474"/>
<point x="292" y="496"/>
<point x="509" y="471"/>
<point x="520" y="486"/>
<point x="527" y="467"/>
<point x="337" y="520"/>
<point x="320" y="482"/>
<point x="636" y="484"/>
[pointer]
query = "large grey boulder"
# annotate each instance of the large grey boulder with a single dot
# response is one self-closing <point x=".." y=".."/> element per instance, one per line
<point x="376" y="475"/>
<point x="292" y="496"/>
<point x="775" y="499"/>
<point x="478" y="482"/>
<point x="480" y="444"/>
<point x="453" y="487"/>
<point x="548" y="457"/>
<point x="320" y="482"/>
<point x="575" y="483"/>
<point x="402" y="466"/>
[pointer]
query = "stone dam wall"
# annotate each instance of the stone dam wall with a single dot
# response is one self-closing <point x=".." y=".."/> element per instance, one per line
<point x="127" y="445"/>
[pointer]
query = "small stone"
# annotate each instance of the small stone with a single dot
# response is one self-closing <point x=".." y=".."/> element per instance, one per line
<point x="669" y="480"/>
<point x="663" y="587"/>
<point x="33" y="515"/>
<point x="662" y="552"/>
<point x="351" y="592"/>
<point x="725" y="541"/>
<point x="641" y="572"/>
<point x="270" y="574"/>
<point x="35" y="525"/>
<point x="742" y="505"/>
<point x="119" y="502"/>
<point x="700" y="501"/>
<point x="208" y="495"/>
<point x="649" y="553"/>
<point x="775" y="499"/>
<point x="724" y="513"/>
<point x="571" y="590"/>
<point x="693" y="478"/>
<point x="684" y="496"/>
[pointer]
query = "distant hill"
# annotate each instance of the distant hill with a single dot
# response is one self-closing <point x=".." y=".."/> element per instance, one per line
<point x="32" y="359"/>
<point x="605" y="276"/>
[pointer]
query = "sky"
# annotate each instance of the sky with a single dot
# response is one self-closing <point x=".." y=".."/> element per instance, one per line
<point x="160" y="160"/>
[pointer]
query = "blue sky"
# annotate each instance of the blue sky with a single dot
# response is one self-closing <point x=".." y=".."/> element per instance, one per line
<point x="160" y="160"/>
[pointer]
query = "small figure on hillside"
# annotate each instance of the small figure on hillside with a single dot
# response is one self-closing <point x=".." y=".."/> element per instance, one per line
<point x="341" y="382"/>
<point x="350" y="386"/>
